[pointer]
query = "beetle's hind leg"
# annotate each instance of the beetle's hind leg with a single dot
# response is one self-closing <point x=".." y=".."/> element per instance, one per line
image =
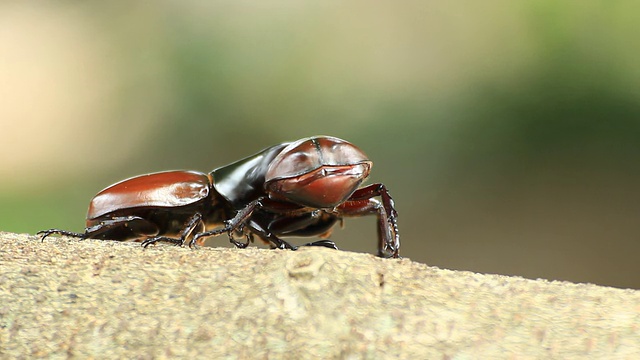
<point x="117" y="228"/>
<point x="45" y="233"/>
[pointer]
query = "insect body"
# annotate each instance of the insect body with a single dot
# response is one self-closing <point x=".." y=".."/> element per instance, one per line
<point x="301" y="188"/>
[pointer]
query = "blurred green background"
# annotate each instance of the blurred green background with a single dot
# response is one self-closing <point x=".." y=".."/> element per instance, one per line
<point x="508" y="132"/>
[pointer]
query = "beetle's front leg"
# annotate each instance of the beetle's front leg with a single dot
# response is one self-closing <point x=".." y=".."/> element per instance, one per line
<point x="361" y="203"/>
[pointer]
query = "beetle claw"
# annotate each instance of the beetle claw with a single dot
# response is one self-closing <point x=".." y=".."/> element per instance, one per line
<point x="324" y="243"/>
<point x="157" y="239"/>
<point x="239" y="245"/>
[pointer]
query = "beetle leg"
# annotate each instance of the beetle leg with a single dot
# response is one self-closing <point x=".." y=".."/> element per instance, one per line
<point x="45" y="233"/>
<point x="361" y="202"/>
<point x="194" y="221"/>
<point x="90" y="232"/>
<point x="120" y="227"/>
<point x="240" y="220"/>
<point x="232" y="225"/>
<point x="238" y="244"/>
<point x="249" y="237"/>
<point x="308" y="223"/>
<point x="269" y="237"/>
<point x="325" y="243"/>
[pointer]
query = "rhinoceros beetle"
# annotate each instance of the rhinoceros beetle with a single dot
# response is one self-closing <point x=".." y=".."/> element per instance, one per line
<point x="300" y="188"/>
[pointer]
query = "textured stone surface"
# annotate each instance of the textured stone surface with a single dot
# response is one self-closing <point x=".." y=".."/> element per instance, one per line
<point x="103" y="299"/>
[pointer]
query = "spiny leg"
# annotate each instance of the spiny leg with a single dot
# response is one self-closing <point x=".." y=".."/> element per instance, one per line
<point x="277" y="243"/>
<point x="361" y="203"/>
<point x="45" y="233"/>
<point x="238" y="222"/>
<point x="194" y="221"/>
<point x="133" y="226"/>
<point x="235" y="223"/>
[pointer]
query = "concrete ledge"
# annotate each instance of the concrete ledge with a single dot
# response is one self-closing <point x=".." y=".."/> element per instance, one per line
<point x="104" y="299"/>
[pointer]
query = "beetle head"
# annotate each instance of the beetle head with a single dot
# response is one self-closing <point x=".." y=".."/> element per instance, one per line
<point x="320" y="172"/>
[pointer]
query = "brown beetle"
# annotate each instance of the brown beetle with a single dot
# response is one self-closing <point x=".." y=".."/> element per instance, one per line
<point x="300" y="188"/>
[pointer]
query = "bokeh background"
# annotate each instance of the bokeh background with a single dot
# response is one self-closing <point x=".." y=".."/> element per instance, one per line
<point x="508" y="132"/>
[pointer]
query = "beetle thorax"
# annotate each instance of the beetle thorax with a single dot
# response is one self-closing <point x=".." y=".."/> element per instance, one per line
<point x="319" y="172"/>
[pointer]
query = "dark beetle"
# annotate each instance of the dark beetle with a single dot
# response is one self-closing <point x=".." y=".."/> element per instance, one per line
<point x="300" y="188"/>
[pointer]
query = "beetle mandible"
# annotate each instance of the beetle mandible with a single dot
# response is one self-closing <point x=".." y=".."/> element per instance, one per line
<point x="300" y="188"/>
